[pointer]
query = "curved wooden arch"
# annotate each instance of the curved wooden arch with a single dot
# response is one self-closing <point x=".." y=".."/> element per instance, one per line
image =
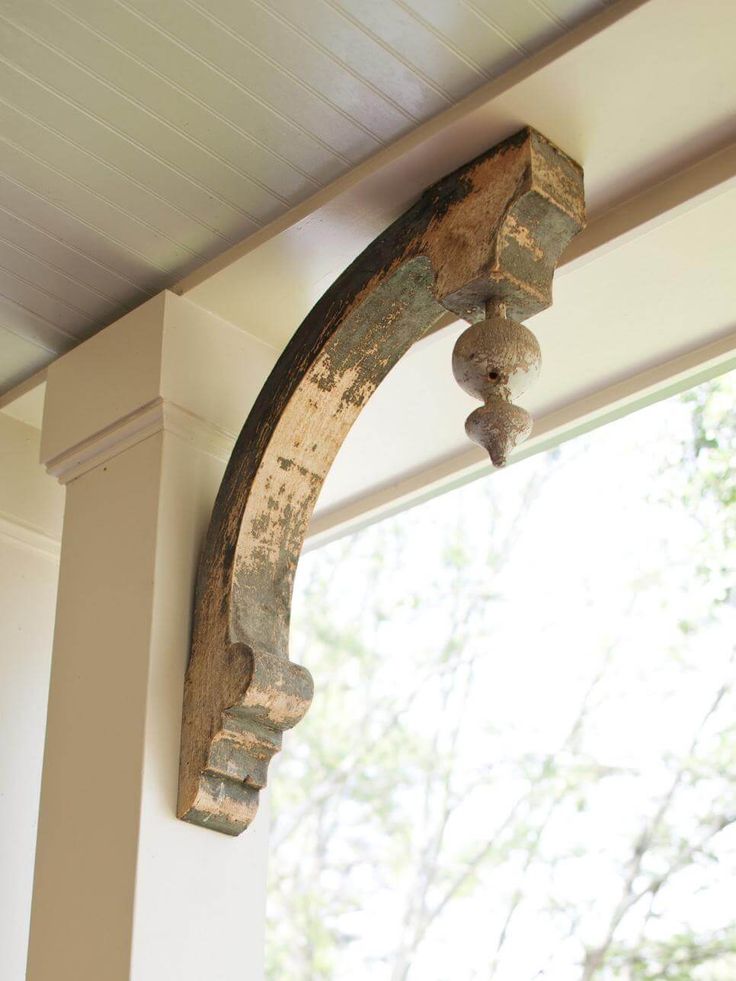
<point x="492" y="230"/>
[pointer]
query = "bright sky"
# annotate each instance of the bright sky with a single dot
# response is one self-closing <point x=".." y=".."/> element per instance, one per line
<point x="599" y="573"/>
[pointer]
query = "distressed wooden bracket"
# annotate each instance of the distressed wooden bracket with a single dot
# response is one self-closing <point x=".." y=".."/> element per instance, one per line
<point x="490" y="233"/>
<point x="496" y="360"/>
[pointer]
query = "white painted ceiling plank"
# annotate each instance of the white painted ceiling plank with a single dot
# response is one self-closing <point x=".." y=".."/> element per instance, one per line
<point x="185" y="116"/>
<point x="305" y="127"/>
<point x="362" y="57"/>
<point x="65" y="316"/>
<point x="477" y="31"/>
<point x="176" y="80"/>
<point x="69" y="227"/>
<point x="39" y="244"/>
<point x="137" y="235"/>
<point x="67" y="289"/>
<point x="115" y="151"/>
<point x="281" y="55"/>
<point x="200" y="162"/>
<point x="410" y="42"/>
<point x="529" y="25"/>
<point x="107" y="184"/>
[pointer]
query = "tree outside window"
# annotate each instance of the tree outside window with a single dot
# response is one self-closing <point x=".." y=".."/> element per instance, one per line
<point x="521" y="758"/>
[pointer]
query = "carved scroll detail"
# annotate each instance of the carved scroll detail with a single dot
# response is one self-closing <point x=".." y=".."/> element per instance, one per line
<point x="491" y="231"/>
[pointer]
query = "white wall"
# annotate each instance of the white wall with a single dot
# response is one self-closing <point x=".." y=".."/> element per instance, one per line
<point x="31" y="505"/>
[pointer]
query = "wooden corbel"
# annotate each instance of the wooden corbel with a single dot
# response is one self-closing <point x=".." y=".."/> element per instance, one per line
<point x="484" y="239"/>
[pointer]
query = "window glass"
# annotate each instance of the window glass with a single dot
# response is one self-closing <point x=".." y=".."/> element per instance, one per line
<point x="520" y="762"/>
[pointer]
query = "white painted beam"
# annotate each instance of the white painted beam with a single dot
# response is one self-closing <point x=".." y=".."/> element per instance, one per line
<point x="577" y="417"/>
<point x="637" y="95"/>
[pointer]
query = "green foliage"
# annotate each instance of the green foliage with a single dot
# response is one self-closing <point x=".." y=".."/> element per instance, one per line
<point x="490" y="670"/>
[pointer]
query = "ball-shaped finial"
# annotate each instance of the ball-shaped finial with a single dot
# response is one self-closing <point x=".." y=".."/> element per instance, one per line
<point x="496" y="357"/>
<point x="496" y="360"/>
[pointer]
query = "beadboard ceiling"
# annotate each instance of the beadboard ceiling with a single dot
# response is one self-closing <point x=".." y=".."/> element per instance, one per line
<point x="141" y="138"/>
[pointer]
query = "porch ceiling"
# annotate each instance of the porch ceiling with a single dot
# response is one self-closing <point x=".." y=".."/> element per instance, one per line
<point x="141" y="139"/>
<point x="641" y="93"/>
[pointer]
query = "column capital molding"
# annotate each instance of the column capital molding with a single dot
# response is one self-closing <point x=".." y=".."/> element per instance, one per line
<point x="167" y="366"/>
<point x="158" y="415"/>
<point x="158" y="394"/>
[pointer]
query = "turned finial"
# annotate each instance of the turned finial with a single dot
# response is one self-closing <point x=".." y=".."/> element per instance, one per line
<point x="496" y="360"/>
<point x="494" y="228"/>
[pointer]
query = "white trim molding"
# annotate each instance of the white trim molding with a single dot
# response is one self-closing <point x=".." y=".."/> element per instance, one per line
<point x="20" y="533"/>
<point x="156" y="416"/>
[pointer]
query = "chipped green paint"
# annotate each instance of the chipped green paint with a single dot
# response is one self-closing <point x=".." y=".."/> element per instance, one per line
<point x="493" y="229"/>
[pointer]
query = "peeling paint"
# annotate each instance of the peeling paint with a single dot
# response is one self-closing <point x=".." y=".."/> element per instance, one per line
<point x="493" y="230"/>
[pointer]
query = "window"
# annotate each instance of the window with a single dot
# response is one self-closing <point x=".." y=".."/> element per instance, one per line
<point x="521" y="758"/>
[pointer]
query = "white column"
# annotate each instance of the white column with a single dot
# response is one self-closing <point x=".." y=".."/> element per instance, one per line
<point x="138" y="423"/>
